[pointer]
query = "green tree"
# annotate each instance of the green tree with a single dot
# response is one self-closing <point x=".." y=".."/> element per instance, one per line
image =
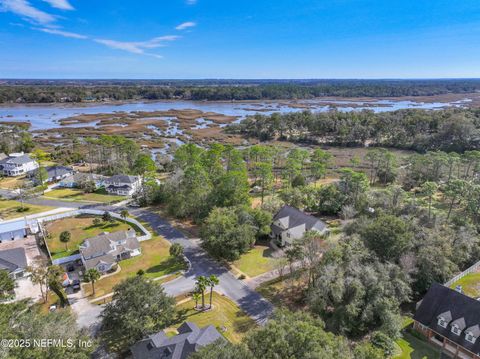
<point x="454" y="190"/>
<point x="6" y="284"/>
<point x="319" y="162"/>
<point x="429" y="189"/>
<point x="65" y="237"/>
<point x="107" y="217"/>
<point x="176" y="251"/>
<point x="354" y="185"/>
<point x="196" y="297"/>
<point x="124" y="214"/>
<point x="212" y="281"/>
<point x="388" y="236"/>
<point x="201" y="284"/>
<point x="92" y="275"/>
<point x="139" y="307"/>
<point x="228" y="232"/>
<point x="41" y="176"/>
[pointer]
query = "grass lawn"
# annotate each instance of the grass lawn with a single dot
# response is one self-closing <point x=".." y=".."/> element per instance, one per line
<point x="257" y="261"/>
<point x="225" y="314"/>
<point x="11" y="182"/>
<point x="9" y="209"/>
<point x="411" y="347"/>
<point x="71" y="194"/>
<point x="155" y="260"/>
<point x="80" y="228"/>
<point x="470" y="284"/>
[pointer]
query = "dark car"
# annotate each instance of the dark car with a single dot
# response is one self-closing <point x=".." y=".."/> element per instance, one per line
<point x="75" y="284"/>
<point x="70" y="268"/>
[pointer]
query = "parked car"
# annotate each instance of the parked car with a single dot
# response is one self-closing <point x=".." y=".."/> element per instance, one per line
<point x="76" y="285"/>
<point x="70" y="268"/>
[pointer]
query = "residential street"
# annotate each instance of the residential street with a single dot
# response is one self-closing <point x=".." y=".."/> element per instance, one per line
<point x="249" y="301"/>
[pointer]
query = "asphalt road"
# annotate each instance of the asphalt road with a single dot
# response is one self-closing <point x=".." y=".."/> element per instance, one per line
<point x="248" y="300"/>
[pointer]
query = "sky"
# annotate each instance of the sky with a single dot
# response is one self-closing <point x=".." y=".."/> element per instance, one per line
<point x="253" y="39"/>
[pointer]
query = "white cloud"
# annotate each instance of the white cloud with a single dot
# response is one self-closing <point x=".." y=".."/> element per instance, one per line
<point x="60" y="4"/>
<point x="27" y="11"/>
<point x="138" y="47"/>
<point x="186" y="25"/>
<point x="63" y="33"/>
<point x="191" y="2"/>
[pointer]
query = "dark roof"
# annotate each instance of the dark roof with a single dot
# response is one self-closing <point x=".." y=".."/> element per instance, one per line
<point x="13" y="259"/>
<point x="295" y="218"/>
<point x="56" y="171"/>
<point x="122" y="179"/>
<point x="464" y="310"/>
<point x="190" y="339"/>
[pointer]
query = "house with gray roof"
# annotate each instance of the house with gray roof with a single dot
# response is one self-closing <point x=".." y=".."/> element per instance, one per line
<point x="450" y="320"/>
<point x="14" y="261"/>
<point x="105" y="250"/>
<point x="76" y="180"/>
<point x="54" y="173"/>
<point x="122" y="185"/>
<point x="290" y="224"/>
<point x="17" y="164"/>
<point x="190" y="339"/>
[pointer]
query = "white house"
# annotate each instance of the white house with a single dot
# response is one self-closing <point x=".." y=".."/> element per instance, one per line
<point x="290" y="224"/>
<point x="122" y="185"/>
<point x="103" y="251"/>
<point x="17" y="164"/>
<point x="75" y="180"/>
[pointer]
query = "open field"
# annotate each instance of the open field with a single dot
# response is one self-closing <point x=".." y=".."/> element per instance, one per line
<point x="155" y="261"/>
<point x="80" y="228"/>
<point x="225" y="314"/>
<point x="70" y="194"/>
<point x="257" y="261"/>
<point x="470" y="284"/>
<point x="11" y="209"/>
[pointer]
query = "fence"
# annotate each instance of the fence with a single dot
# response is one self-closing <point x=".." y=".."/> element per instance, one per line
<point x="146" y="234"/>
<point x="469" y="270"/>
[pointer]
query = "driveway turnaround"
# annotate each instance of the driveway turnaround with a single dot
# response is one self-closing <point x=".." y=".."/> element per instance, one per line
<point x="247" y="299"/>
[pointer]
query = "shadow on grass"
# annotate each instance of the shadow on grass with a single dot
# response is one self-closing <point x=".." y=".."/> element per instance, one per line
<point x="168" y="266"/>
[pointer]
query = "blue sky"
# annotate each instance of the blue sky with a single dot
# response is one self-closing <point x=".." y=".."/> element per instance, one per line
<point x="239" y="39"/>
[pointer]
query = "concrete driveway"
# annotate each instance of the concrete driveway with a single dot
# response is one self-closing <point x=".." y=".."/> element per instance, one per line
<point x="25" y="289"/>
<point x="88" y="315"/>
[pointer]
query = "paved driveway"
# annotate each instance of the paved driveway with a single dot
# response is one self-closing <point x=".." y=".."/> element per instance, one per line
<point x="248" y="300"/>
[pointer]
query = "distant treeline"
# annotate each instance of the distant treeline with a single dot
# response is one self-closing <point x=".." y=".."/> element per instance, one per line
<point x="49" y="91"/>
<point x="447" y="130"/>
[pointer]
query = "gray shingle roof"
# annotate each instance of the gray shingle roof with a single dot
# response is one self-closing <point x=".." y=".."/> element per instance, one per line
<point x="13" y="259"/>
<point x="190" y="339"/>
<point x="20" y="160"/>
<point x="102" y="243"/>
<point x="121" y="179"/>
<point x="294" y="217"/>
<point x="441" y="300"/>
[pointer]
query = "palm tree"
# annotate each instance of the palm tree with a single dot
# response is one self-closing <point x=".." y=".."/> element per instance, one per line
<point x="201" y="285"/>
<point x="65" y="238"/>
<point x="212" y="282"/>
<point x="196" y="298"/>
<point x="92" y="275"/>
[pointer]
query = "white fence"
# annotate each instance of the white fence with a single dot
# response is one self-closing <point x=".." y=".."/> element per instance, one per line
<point x="146" y="234"/>
<point x="469" y="270"/>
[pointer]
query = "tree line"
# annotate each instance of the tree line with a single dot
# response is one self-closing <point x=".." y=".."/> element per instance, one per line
<point x="448" y="130"/>
<point x="226" y="90"/>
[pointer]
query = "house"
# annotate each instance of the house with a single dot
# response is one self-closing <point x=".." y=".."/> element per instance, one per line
<point x="17" y="164"/>
<point x="54" y="173"/>
<point x="450" y="320"/>
<point x="105" y="250"/>
<point x="13" y="230"/>
<point x="76" y="180"/>
<point x="290" y="224"/>
<point x="190" y="339"/>
<point x="122" y="185"/>
<point x="14" y="261"/>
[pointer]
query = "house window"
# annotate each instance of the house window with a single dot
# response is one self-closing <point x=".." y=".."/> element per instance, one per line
<point x="455" y="330"/>
<point x="470" y="338"/>
<point x="442" y="322"/>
